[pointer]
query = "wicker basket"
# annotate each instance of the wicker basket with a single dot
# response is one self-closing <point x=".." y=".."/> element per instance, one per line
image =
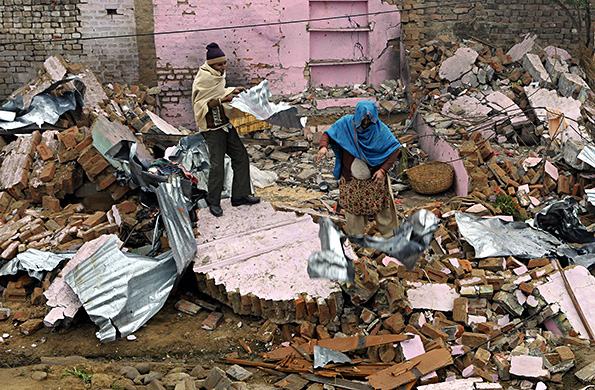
<point x="431" y="178"/>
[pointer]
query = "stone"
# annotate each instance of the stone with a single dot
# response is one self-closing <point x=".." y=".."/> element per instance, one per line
<point x="238" y="373"/>
<point x="460" y="63"/>
<point x="532" y="64"/>
<point x="172" y="379"/>
<point x="151" y="377"/>
<point x="143" y="367"/>
<point x="39" y="375"/>
<point x="129" y="372"/>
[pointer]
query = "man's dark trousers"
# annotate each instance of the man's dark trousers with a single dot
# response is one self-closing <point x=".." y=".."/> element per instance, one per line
<point x="221" y="143"/>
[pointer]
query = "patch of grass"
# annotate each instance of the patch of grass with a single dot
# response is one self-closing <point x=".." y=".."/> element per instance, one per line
<point x="508" y="206"/>
<point x="81" y="373"/>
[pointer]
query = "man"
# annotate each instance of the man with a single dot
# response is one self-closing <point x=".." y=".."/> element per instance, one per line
<point x="365" y="149"/>
<point x="211" y="112"/>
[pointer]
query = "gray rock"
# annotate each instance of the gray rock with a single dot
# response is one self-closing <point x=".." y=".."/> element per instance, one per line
<point x="199" y="372"/>
<point x="238" y="373"/>
<point x="129" y="372"/>
<point x="124" y="383"/>
<point x="152" y="376"/>
<point x="172" y="379"/>
<point x="155" y="385"/>
<point x="143" y="368"/>
<point x="459" y="64"/>
<point x="39" y="375"/>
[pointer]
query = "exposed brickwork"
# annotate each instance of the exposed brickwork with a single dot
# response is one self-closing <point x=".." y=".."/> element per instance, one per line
<point x="112" y="60"/>
<point x="499" y="22"/>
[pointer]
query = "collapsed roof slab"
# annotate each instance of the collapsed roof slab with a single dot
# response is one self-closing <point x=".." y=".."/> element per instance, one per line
<point x="254" y="259"/>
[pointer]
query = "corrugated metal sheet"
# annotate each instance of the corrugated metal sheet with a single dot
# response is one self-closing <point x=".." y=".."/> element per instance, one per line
<point x="256" y="102"/>
<point x="35" y="262"/>
<point x="122" y="291"/>
<point x="174" y="213"/>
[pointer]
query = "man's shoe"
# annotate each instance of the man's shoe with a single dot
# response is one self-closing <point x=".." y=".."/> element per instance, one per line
<point x="217" y="211"/>
<point x="244" y="200"/>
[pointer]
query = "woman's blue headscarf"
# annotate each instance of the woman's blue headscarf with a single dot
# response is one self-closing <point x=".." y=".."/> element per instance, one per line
<point x="374" y="144"/>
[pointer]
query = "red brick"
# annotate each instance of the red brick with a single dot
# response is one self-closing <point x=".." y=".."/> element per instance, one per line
<point x="14" y="295"/>
<point x="212" y="321"/>
<point x="31" y="326"/>
<point x="323" y="311"/>
<point x="473" y="339"/>
<point x="5" y="201"/>
<point x="459" y="313"/>
<point x="51" y="204"/>
<point x="118" y="191"/>
<point x="11" y="251"/>
<point x="48" y="171"/>
<point x="84" y="144"/>
<point x="322" y="333"/>
<point x="21" y="315"/>
<point x="97" y="168"/>
<point x="106" y="179"/>
<point x="307" y="329"/>
<point x="395" y="323"/>
<point x="126" y="207"/>
<point x="300" y="309"/>
<point x="95" y="219"/>
<point x="44" y="152"/>
<point x="432" y="332"/>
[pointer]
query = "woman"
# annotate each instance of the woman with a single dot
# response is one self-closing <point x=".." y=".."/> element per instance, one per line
<point x="365" y="149"/>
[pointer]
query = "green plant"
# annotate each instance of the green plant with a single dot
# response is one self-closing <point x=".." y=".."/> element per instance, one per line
<point x="508" y="206"/>
<point x="81" y="373"/>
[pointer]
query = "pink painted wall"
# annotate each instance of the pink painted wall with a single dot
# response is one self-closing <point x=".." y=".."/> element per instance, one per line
<point x="278" y="53"/>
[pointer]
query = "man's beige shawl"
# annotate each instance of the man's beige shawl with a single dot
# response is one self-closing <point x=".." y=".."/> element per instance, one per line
<point x="208" y="84"/>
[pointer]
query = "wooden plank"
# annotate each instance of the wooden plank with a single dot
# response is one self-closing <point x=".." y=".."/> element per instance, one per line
<point x="337" y="382"/>
<point x="345" y="344"/>
<point x="404" y="373"/>
<point x="292" y="382"/>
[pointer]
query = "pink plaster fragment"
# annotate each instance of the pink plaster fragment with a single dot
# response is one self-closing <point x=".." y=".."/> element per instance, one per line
<point x="524" y="187"/>
<point x="468" y="371"/>
<point x="527" y="366"/>
<point x="473" y="319"/>
<point x="345" y="102"/>
<point x="476" y="208"/>
<point x="531" y="162"/>
<point x="454" y="261"/>
<point x="413" y="347"/>
<point x="449" y="213"/>
<point x="387" y="260"/>
<point x="534" y="201"/>
<point x="552" y="327"/>
<point x="521" y="270"/>
<point x="551" y="170"/>
<point x="520" y="296"/>
<point x="507" y="218"/>
<point x="457" y="350"/>
<point x="540" y="386"/>
<point x="504" y="320"/>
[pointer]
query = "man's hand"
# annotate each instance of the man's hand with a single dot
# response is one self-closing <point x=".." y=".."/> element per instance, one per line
<point x="323" y="152"/>
<point x="379" y="176"/>
<point x="238" y="90"/>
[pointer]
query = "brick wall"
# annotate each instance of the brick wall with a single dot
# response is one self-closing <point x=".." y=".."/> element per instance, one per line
<point x="498" y="22"/>
<point x="24" y="20"/>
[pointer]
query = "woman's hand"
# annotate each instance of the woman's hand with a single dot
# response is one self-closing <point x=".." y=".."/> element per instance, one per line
<point x="238" y="90"/>
<point x="379" y="176"/>
<point x="323" y="152"/>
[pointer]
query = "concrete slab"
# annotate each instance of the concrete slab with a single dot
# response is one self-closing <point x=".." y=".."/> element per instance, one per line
<point x="583" y="285"/>
<point x="556" y="52"/>
<point x="259" y="256"/>
<point x="500" y="102"/>
<point x="532" y="64"/>
<point x="517" y="52"/>
<point x="460" y="63"/>
<point x="542" y="99"/>
<point x="573" y="85"/>
<point x="555" y="67"/>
